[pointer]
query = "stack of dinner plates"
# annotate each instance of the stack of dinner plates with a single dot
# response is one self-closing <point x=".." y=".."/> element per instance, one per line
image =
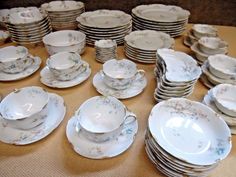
<point x="186" y="138"/>
<point x="28" y="25"/>
<point x="166" y="18"/>
<point x="105" y="24"/>
<point x="176" y="74"/>
<point x="214" y="72"/>
<point x="63" y="14"/>
<point x="142" y="45"/>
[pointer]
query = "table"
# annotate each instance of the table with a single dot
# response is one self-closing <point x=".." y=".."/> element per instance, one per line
<point x="54" y="156"/>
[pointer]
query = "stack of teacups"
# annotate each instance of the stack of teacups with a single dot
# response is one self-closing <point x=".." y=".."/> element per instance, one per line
<point x="207" y="46"/>
<point x="186" y="138"/>
<point x="28" y="25"/>
<point x="197" y="31"/>
<point x="25" y="108"/>
<point x="99" y="121"/>
<point x="219" y="69"/>
<point x="105" y="50"/>
<point x="65" y="65"/>
<point x="222" y="99"/>
<point x="65" y="40"/>
<point x="14" y="59"/>
<point x="176" y="74"/>
<point x="120" y="74"/>
<point x="63" y="14"/>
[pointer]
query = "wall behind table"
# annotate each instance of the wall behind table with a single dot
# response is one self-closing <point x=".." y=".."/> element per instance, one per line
<point x="218" y="12"/>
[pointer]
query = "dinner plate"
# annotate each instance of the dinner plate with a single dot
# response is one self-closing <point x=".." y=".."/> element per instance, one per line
<point x="56" y="112"/>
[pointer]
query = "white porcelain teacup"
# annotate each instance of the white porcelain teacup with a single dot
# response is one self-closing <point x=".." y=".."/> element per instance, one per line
<point x="204" y="30"/>
<point x="102" y="118"/>
<point x="65" y="65"/>
<point x="25" y="108"/>
<point x="14" y="59"/>
<point x="119" y="74"/>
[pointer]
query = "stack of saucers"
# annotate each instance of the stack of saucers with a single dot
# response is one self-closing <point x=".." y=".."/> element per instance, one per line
<point x="142" y="45"/>
<point x="197" y="31"/>
<point x="28" y="26"/>
<point x="222" y="99"/>
<point x="176" y="74"/>
<point x="105" y="24"/>
<point x="29" y="114"/>
<point x="186" y="138"/>
<point x="218" y="69"/>
<point x="105" y="50"/>
<point x="166" y="18"/>
<point x="207" y="46"/>
<point x="104" y="127"/>
<point x="63" y="14"/>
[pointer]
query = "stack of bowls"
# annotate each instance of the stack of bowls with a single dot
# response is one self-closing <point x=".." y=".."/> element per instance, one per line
<point x="222" y="99"/>
<point x="219" y="69"/>
<point x="63" y="14"/>
<point x="105" y="24"/>
<point x="25" y="108"/>
<point x="197" y="31"/>
<point x="186" y="138"/>
<point x="142" y="45"/>
<point x="176" y="74"/>
<point x="65" y="40"/>
<point x="28" y="25"/>
<point x="166" y="18"/>
<point x="207" y="46"/>
<point x="105" y="50"/>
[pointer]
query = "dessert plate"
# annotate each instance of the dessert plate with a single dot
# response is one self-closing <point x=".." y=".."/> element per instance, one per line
<point x="108" y="149"/>
<point x="48" y="79"/>
<point x="56" y="112"/>
<point x="135" y="88"/>
<point x="27" y="72"/>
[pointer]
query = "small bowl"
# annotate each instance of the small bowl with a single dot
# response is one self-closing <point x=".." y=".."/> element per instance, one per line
<point x="222" y="66"/>
<point x="65" y="40"/>
<point x="65" y="65"/>
<point x="25" y="108"/>
<point x="225" y="98"/>
<point x="102" y="118"/>
<point x="119" y="74"/>
<point x="212" y="45"/>
<point x="4" y="35"/>
<point x="202" y="30"/>
<point x="14" y="59"/>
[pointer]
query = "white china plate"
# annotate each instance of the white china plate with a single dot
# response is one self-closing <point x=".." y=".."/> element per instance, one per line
<point x="27" y="72"/>
<point x="177" y="122"/>
<point x="107" y="149"/>
<point x="56" y="112"/>
<point x="48" y="79"/>
<point x="135" y="88"/>
<point x="209" y="101"/>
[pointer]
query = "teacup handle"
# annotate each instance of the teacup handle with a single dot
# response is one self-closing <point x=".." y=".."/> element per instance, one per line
<point x="77" y="124"/>
<point x="140" y="73"/>
<point x="130" y="118"/>
<point x="102" y="73"/>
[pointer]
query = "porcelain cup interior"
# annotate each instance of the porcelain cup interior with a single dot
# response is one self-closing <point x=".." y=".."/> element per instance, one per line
<point x="102" y="118"/>
<point x="65" y="40"/>
<point x="119" y="74"/>
<point x="14" y="59"/>
<point x="25" y="108"/>
<point x="65" y="65"/>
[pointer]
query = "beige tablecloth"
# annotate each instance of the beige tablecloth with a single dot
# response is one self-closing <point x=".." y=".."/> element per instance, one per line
<point x="54" y="156"/>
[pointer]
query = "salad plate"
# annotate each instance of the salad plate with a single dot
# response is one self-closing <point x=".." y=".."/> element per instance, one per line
<point x="27" y="72"/>
<point x="100" y="150"/>
<point x="135" y="88"/>
<point x="56" y="112"/>
<point x="48" y="79"/>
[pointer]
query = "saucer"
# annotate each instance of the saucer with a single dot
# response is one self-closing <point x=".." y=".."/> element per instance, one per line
<point x="27" y="72"/>
<point x="48" y="79"/>
<point x="107" y="149"/>
<point x="15" y="136"/>
<point x="205" y="81"/>
<point x="135" y="88"/>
